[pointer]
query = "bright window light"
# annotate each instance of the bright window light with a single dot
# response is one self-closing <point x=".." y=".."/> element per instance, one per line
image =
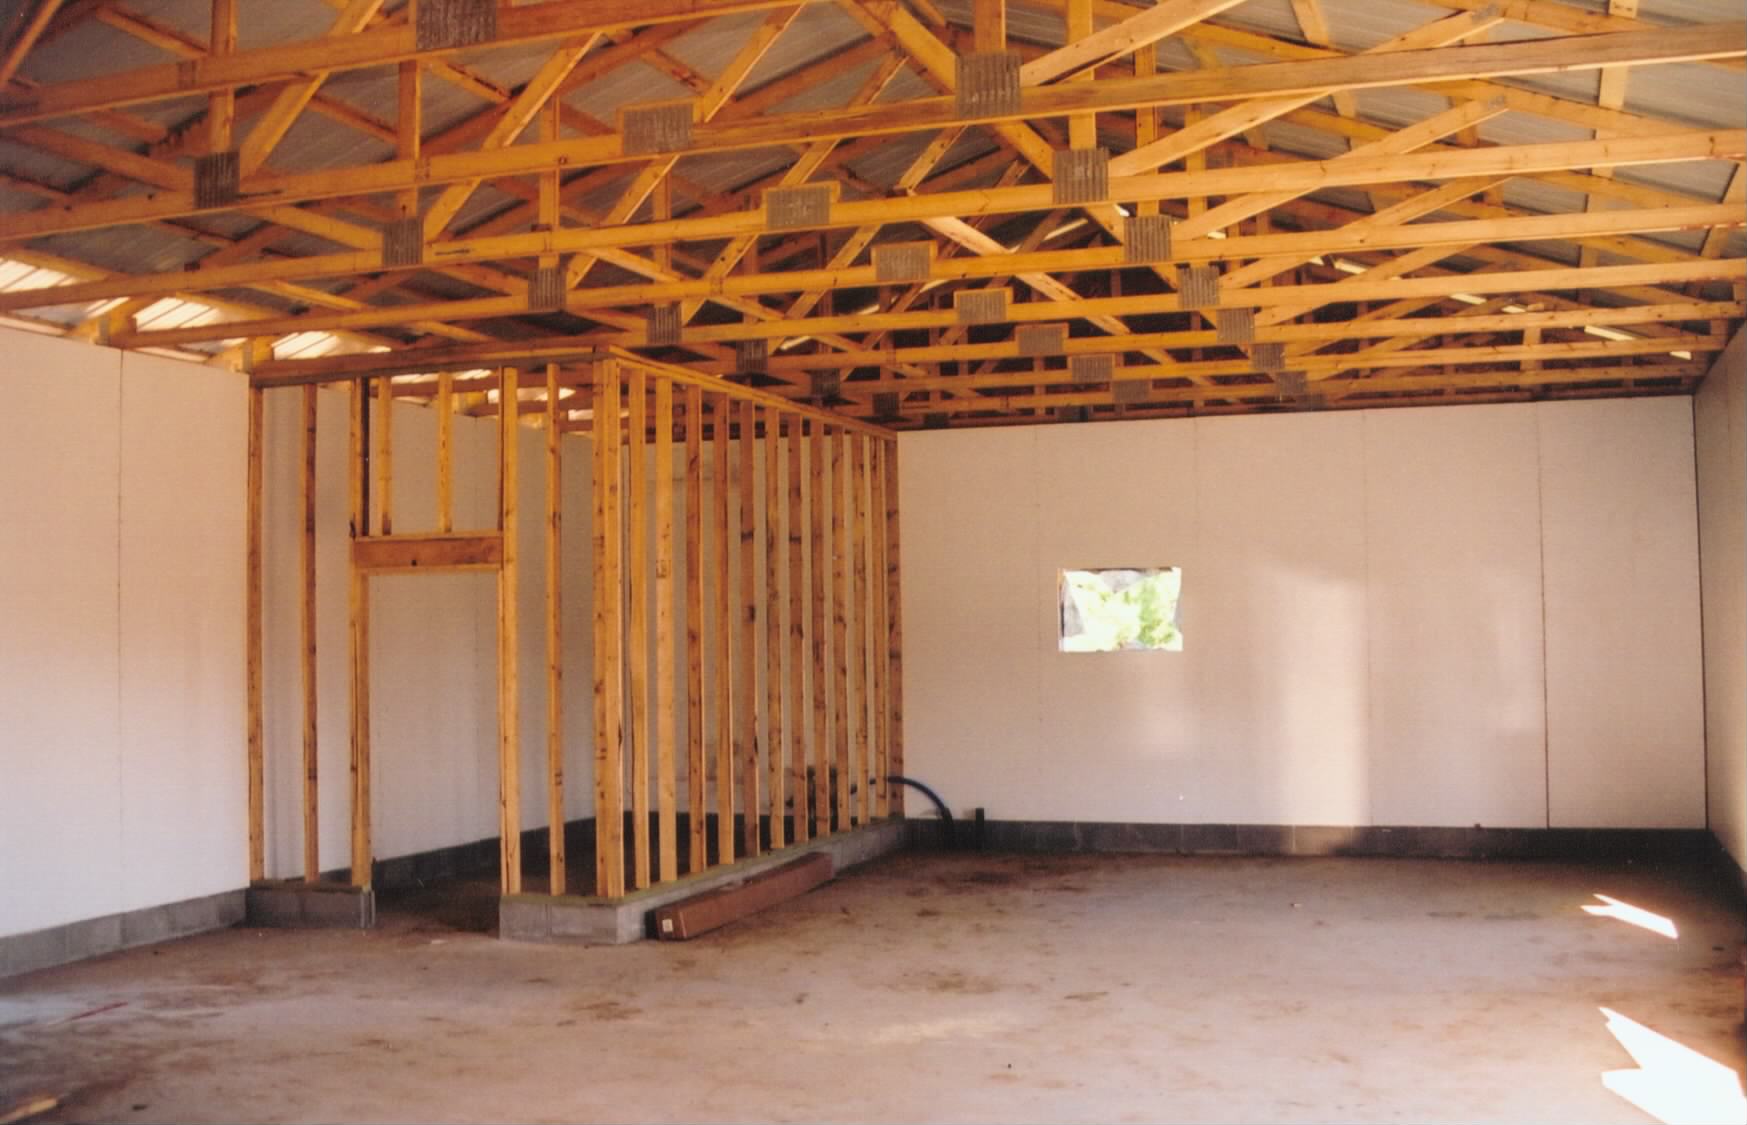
<point x="1633" y="915"/>
<point x="1673" y="1082"/>
<point x="1469" y="298"/>
<point x="1607" y="333"/>
<point x="1117" y="610"/>
<point x="1345" y="266"/>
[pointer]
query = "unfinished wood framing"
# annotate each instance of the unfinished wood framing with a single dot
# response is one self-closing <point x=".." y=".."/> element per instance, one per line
<point x="636" y="593"/>
<point x="556" y="861"/>
<point x="746" y="711"/>
<point x="666" y="698"/>
<point x="310" y="771"/>
<point x="254" y="610"/>
<point x="840" y="717"/>
<point x="697" y="761"/>
<point x="775" y="514"/>
<point x="509" y="777"/>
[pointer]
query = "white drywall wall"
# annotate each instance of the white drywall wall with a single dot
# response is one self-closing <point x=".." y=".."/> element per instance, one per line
<point x="121" y="594"/>
<point x="1625" y="679"/>
<point x="1452" y="525"/>
<point x="60" y="707"/>
<point x="1365" y="638"/>
<point x="1720" y="423"/>
<point x="184" y="813"/>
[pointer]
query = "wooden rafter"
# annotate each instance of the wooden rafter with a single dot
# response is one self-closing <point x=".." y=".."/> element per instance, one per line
<point x="1436" y="278"/>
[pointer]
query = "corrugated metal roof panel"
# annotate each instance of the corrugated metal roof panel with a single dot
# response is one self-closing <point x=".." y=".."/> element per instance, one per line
<point x="1530" y="129"/>
<point x="485" y="202"/>
<point x="509" y="67"/>
<point x="1303" y="141"/>
<point x="313" y="142"/>
<point x="258" y="25"/>
<point x="1398" y="106"/>
<point x="1701" y="95"/>
<point x="709" y="47"/>
<point x="1354" y="25"/>
<point x="90" y="50"/>
<point x="140" y="250"/>
<point x="42" y="167"/>
<point x="1534" y="195"/>
<point x="907" y="84"/>
<point x="1686" y="11"/>
<point x="630" y="84"/>
<point x="819" y="30"/>
<point x="725" y="172"/>
<point x="1701" y="179"/>
<point x="835" y="91"/>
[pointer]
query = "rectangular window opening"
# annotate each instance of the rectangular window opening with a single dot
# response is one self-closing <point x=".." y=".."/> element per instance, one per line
<point x="1120" y="609"/>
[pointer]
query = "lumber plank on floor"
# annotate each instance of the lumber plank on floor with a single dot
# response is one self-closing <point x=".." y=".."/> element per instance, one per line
<point x="712" y="910"/>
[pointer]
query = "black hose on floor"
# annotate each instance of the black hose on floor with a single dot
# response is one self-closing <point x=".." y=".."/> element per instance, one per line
<point x="940" y="805"/>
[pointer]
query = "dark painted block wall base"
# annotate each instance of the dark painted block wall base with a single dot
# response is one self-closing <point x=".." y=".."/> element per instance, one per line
<point x="1666" y="845"/>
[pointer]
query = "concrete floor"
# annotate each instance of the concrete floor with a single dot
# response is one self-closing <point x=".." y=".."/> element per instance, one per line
<point x="928" y="988"/>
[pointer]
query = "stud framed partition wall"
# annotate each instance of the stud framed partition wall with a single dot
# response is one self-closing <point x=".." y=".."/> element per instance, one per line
<point x="745" y="693"/>
<point x="787" y="666"/>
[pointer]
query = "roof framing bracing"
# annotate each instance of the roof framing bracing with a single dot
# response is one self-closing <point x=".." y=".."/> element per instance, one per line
<point x="1238" y="205"/>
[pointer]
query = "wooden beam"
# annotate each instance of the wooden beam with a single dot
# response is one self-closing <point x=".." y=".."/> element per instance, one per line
<point x="307" y="629"/>
<point x="696" y="759"/>
<point x="557" y="874"/>
<point x="721" y="493"/>
<point x="797" y="634"/>
<point x="509" y="768"/>
<point x="878" y="641"/>
<point x="775" y="538"/>
<point x="819" y="484"/>
<point x="253" y="626"/>
<point x="840" y="486"/>
<point x="746" y="713"/>
<point x="359" y="614"/>
<point x="445" y="407"/>
<point x="221" y="106"/>
<point x="894" y="633"/>
<point x="384" y="456"/>
<point x="666" y="697"/>
<point x="637" y="627"/>
<point x="379" y="554"/>
<point x="711" y="910"/>
<point x="860" y="636"/>
<point x="989" y="24"/>
<point x="609" y="668"/>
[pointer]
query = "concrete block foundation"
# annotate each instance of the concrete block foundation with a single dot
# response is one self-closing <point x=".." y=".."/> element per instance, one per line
<point x="580" y="920"/>
<point x="315" y="906"/>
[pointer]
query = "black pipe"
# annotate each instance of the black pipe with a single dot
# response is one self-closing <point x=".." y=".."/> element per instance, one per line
<point x="945" y="813"/>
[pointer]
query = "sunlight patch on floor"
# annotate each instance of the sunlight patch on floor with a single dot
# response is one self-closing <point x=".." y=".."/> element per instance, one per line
<point x="1633" y="915"/>
<point x="1673" y="1083"/>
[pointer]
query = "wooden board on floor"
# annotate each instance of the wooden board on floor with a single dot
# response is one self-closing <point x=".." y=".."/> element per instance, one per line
<point x="712" y="910"/>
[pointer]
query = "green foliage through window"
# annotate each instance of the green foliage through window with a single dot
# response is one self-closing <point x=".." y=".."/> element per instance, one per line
<point x="1120" y="609"/>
